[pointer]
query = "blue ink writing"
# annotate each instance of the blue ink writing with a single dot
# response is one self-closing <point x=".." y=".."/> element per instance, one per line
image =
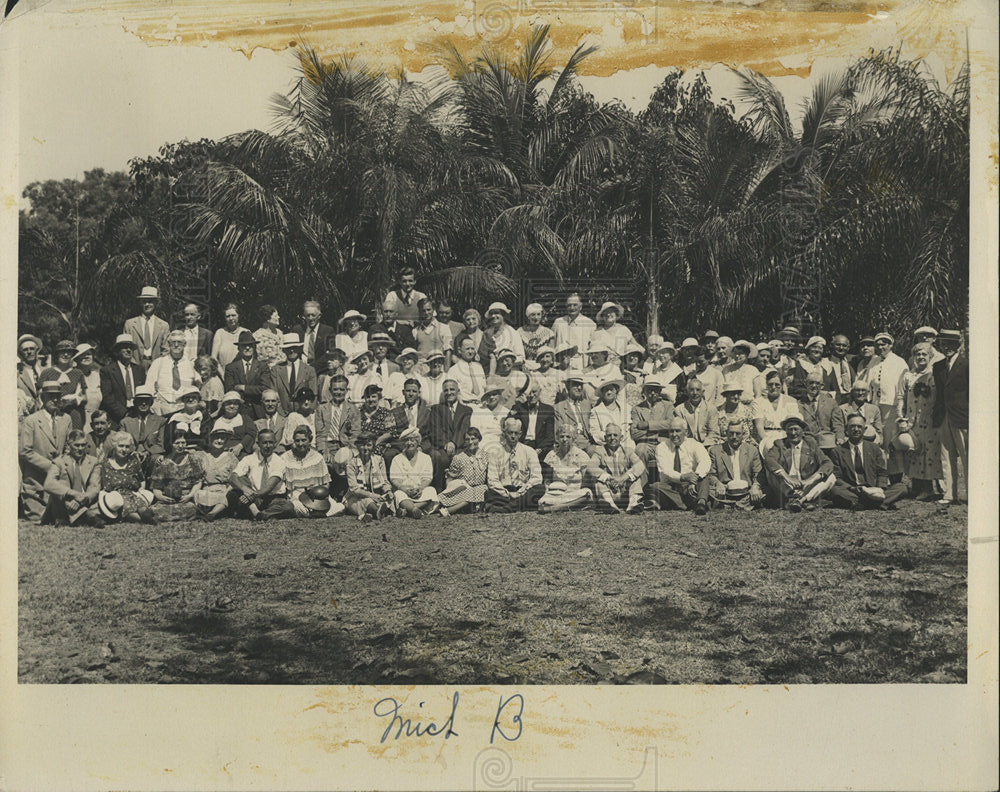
<point x="389" y="707"/>
<point x="515" y="718"/>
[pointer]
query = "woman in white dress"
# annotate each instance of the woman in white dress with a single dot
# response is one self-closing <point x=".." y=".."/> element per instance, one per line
<point x="614" y="336"/>
<point x="915" y="396"/>
<point x="568" y="465"/>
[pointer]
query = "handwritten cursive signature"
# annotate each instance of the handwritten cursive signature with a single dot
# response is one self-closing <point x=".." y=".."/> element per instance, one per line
<point x="508" y="716"/>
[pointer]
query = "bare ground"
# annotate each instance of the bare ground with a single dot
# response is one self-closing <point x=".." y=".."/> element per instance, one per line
<point x="581" y="598"/>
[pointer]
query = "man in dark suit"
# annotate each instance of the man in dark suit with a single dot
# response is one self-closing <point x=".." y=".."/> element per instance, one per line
<point x="317" y="338"/>
<point x="575" y="411"/>
<point x="737" y="470"/>
<point x="119" y="379"/>
<point x="951" y="411"/>
<point x="859" y="465"/>
<point x="338" y="421"/>
<point x="401" y="333"/>
<point x="146" y="428"/>
<point x="413" y="413"/>
<point x="292" y="373"/>
<point x="248" y="375"/>
<point x="797" y="470"/>
<point x="538" y="421"/>
<point x="42" y="440"/>
<point x="197" y="339"/>
<point x="447" y="423"/>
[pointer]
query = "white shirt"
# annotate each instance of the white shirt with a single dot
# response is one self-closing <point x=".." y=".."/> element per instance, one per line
<point x="886" y="377"/>
<point x="191" y="342"/>
<point x="576" y="333"/>
<point x="471" y="381"/>
<point x="406" y="474"/>
<point x="252" y="467"/>
<point x="160" y="376"/>
<point x="694" y="459"/>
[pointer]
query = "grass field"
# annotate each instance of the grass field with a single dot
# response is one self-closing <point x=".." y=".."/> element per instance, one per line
<point x="582" y="598"/>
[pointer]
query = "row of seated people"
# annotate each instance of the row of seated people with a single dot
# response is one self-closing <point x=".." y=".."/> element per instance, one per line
<point x="186" y="482"/>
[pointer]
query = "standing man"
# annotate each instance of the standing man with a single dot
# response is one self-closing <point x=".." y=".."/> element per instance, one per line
<point x="574" y="329"/>
<point x="400" y="333"/>
<point x="338" y="422"/>
<point x="292" y="373"/>
<point x="119" y="379"/>
<point x="197" y="339"/>
<point x="513" y="473"/>
<point x="682" y="466"/>
<point x="447" y="423"/>
<point x="148" y="331"/>
<point x="171" y="374"/>
<point x="379" y="344"/>
<point x="859" y="467"/>
<point x="248" y="375"/>
<point x="430" y="335"/>
<point x="619" y="475"/>
<point x="796" y="468"/>
<point x="317" y="338"/>
<point x="42" y="440"/>
<point x="885" y="380"/>
<point x="843" y="374"/>
<point x="445" y="315"/>
<point x="405" y="299"/>
<point x="29" y="367"/>
<point x="951" y="411"/>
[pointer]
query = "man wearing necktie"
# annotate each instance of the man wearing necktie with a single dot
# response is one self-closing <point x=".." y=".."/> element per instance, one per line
<point x="797" y="470"/>
<point x="119" y="379"/>
<point x="42" y="439"/>
<point x="468" y="373"/>
<point x="682" y="467"/>
<point x="258" y="481"/>
<point x="447" y="423"/>
<point x="171" y="374"/>
<point x="861" y="478"/>
<point x="840" y="345"/>
<point x="73" y="483"/>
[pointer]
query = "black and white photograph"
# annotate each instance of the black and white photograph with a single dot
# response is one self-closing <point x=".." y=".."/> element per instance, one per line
<point x="509" y="344"/>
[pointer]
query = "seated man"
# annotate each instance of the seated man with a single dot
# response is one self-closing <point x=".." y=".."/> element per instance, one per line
<point x="258" y="481"/>
<point x="147" y="429"/>
<point x="513" y="473"/>
<point x="650" y="417"/>
<point x="488" y="417"/>
<point x="737" y="470"/>
<point x="537" y="418"/>
<point x="43" y="437"/>
<point x="575" y="411"/>
<point x="700" y="416"/>
<point x="859" y="467"/>
<point x="411" y="474"/>
<point x="682" y="469"/>
<point x="816" y="407"/>
<point x="619" y="476"/>
<point x="858" y="404"/>
<point x="611" y="408"/>
<point x="797" y="470"/>
<point x="338" y="421"/>
<point x="272" y="419"/>
<point x="73" y="484"/>
<point x="447" y="423"/>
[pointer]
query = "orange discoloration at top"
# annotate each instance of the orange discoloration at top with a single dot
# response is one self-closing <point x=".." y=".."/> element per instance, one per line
<point x="774" y="36"/>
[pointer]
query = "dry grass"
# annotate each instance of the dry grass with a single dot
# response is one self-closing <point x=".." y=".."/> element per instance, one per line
<point x="581" y="598"/>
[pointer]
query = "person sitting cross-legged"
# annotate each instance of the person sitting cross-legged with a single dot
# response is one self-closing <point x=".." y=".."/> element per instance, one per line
<point x="217" y="463"/>
<point x="307" y="480"/>
<point x="737" y="469"/>
<point x="513" y="473"/>
<point x="797" y="470"/>
<point x="411" y="474"/>
<point x="73" y="483"/>
<point x="565" y="468"/>
<point x="859" y="466"/>
<point x="682" y="466"/>
<point x="619" y="475"/>
<point x="258" y="481"/>
<point x="176" y="480"/>
<point x="369" y="493"/>
<point x="466" y="476"/>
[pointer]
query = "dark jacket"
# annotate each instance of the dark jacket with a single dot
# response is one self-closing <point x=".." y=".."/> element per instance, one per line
<point x="258" y="381"/>
<point x="442" y="428"/>
<point x="873" y="461"/>
<point x="325" y="336"/>
<point x="545" y="427"/>
<point x="952" y="392"/>
<point x="113" y="396"/>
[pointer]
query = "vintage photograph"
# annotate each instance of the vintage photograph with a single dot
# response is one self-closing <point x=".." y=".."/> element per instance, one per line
<point x="459" y="359"/>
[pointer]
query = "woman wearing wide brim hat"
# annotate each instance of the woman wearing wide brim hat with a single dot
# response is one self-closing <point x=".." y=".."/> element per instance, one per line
<point x="616" y="337"/>
<point x="351" y="338"/>
<point x="917" y="442"/>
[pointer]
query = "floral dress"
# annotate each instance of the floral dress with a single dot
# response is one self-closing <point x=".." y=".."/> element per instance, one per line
<point x="269" y="345"/>
<point x="471" y="469"/>
<point x="176" y="479"/>
<point x="915" y="401"/>
<point x="376" y="424"/>
<point x="127" y="480"/>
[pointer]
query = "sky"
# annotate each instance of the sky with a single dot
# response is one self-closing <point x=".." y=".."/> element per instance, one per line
<point x="98" y="88"/>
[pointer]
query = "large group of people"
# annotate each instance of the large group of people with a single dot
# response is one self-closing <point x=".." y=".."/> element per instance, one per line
<point x="415" y="413"/>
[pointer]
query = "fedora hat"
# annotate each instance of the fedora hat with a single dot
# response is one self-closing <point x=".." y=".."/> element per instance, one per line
<point x="737" y="488"/>
<point x="110" y="503"/>
<point x="144" y="392"/>
<point x="123" y="339"/>
<point x="149" y="293"/>
<point x="435" y="354"/>
<point x="793" y="419"/>
<point x="709" y="334"/>
<point x="52" y="387"/>
<point x="246" y="338"/>
<point x="291" y="340"/>
<point x="654" y="381"/>
<point x="316" y="499"/>
<point x="381" y="338"/>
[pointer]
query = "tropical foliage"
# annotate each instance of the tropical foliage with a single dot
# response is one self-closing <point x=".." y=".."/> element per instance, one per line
<point x="846" y="214"/>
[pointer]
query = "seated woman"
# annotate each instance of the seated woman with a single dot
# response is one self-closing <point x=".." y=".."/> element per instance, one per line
<point x="369" y="492"/>
<point x="217" y="464"/>
<point x="393" y="389"/>
<point x="305" y="470"/>
<point x="123" y="494"/>
<point x="236" y="420"/>
<point x="176" y="480"/>
<point x="190" y="418"/>
<point x="568" y="465"/>
<point x="411" y="474"/>
<point x="303" y="414"/>
<point x="99" y="437"/>
<point x="465" y="477"/>
<point x="376" y="420"/>
<point x="212" y="387"/>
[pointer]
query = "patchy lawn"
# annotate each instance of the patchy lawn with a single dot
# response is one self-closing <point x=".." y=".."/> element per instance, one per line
<point x="581" y="598"/>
